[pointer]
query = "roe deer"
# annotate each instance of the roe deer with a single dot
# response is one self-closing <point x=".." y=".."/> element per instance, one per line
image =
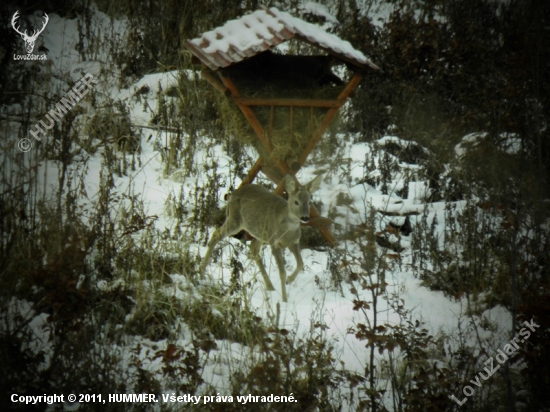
<point x="269" y="219"/>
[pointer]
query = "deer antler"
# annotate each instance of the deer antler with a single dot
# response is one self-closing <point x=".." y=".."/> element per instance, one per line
<point x="15" y="17"/>
<point x="36" y="33"/>
<point x="25" y="35"/>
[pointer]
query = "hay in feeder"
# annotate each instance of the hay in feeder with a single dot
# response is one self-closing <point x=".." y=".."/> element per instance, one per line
<point x="287" y="138"/>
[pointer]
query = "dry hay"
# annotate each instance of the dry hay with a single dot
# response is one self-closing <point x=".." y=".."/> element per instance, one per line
<point x="288" y="140"/>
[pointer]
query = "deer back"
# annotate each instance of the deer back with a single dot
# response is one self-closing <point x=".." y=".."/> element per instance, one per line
<point x="261" y="213"/>
<point x="268" y="217"/>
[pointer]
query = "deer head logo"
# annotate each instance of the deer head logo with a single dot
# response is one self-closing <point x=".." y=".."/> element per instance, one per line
<point x="30" y="40"/>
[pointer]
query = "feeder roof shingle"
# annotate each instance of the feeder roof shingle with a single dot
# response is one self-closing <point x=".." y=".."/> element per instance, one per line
<point x="261" y="30"/>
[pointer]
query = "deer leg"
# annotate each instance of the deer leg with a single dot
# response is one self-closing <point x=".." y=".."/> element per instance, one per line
<point x="279" y="258"/>
<point x="216" y="237"/>
<point x="295" y="249"/>
<point x="226" y="230"/>
<point x="255" y="246"/>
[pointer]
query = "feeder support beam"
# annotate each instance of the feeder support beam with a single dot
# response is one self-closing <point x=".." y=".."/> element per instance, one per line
<point x="329" y="115"/>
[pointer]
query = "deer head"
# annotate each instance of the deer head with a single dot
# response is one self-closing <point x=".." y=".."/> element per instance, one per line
<point x="29" y="39"/>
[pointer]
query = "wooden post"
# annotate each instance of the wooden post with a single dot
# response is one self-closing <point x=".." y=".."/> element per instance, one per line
<point x="329" y="115"/>
<point x="252" y="119"/>
<point x="214" y="80"/>
<point x="248" y="113"/>
<point x="252" y="173"/>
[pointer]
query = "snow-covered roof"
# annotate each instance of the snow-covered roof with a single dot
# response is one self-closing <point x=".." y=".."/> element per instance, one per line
<point x="261" y="30"/>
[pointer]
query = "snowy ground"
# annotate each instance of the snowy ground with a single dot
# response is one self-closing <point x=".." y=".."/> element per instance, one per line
<point x="308" y="299"/>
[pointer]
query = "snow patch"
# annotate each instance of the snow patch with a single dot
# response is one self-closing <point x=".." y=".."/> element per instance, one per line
<point x="510" y="143"/>
<point x="469" y="141"/>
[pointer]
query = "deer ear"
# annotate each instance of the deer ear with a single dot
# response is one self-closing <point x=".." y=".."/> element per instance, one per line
<point x="290" y="184"/>
<point x="314" y="184"/>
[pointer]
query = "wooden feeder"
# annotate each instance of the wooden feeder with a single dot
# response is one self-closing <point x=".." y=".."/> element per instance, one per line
<point x="241" y="49"/>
